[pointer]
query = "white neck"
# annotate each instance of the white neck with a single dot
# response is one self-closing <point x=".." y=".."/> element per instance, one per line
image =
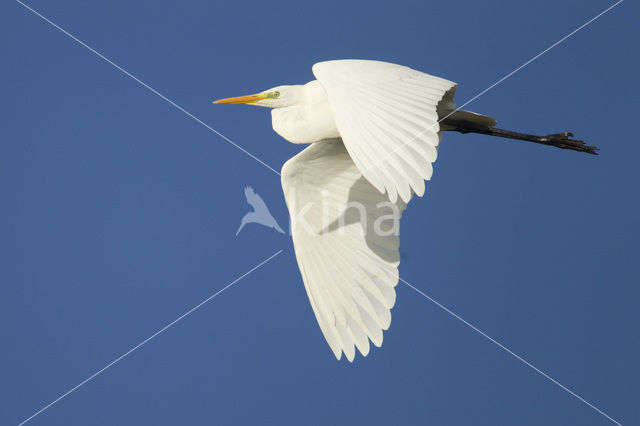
<point x="309" y="121"/>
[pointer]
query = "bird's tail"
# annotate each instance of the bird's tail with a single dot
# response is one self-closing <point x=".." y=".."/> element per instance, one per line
<point x="461" y="116"/>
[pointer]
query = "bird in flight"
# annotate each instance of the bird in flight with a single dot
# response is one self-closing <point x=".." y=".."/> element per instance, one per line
<point x="374" y="130"/>
<point x="260" y="213"/>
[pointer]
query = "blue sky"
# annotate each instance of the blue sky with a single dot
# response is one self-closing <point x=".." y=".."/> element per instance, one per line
<point x="119" y="214"/>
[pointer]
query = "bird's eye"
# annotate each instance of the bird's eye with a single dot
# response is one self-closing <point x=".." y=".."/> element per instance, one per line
<point x="276" y="94"/>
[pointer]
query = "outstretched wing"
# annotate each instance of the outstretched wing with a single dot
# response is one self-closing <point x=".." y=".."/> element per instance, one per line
<point x="346" y="242"/>
<point x="386" y="115"/>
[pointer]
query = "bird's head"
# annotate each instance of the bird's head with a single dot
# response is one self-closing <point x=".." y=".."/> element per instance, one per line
<point x="277" y="97"/>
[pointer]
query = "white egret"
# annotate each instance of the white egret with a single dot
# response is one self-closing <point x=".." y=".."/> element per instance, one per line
<point x="374" y="130"/>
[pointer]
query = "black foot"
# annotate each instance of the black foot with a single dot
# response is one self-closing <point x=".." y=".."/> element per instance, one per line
<point x="561" y="140"/>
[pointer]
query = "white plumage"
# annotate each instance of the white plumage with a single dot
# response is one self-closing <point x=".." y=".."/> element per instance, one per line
<point x="386" y="115"/>
<point x="374" y="128"/>
<point x="349" y="270"/>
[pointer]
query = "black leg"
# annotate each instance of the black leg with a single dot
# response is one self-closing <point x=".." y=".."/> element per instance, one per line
<point x="559" y="140"/>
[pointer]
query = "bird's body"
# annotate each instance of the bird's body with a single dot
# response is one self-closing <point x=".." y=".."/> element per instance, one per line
<point x="374" y="128"/>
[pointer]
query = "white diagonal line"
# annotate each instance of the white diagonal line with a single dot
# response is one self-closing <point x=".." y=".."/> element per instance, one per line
<point x="491" y="339"/>
<point x="149" y="338"/>
<point x="432" y="127"/>
<point x="150" y="88"/>
<point x="509" y="351"/>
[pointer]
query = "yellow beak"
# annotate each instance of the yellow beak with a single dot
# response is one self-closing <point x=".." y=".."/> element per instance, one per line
<point x="247" y="99"/>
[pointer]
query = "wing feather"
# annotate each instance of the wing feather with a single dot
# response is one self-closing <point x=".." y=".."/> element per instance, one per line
<point x="347" y="268"/>
<point x="387" y="117"/>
